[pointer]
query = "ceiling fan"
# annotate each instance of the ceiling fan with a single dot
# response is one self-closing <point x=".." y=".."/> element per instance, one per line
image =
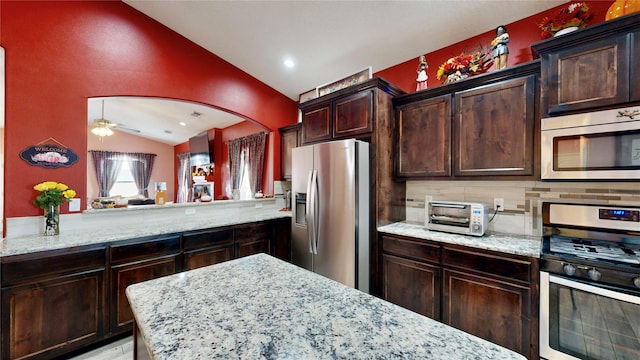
<point x="103" y="127"/>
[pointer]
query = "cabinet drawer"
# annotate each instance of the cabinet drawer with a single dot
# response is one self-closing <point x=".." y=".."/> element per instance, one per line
<point x="201" y="239"/>
<point x="254" y="232"/>
<point x="16" y="269"/>
<point x="489" y="264"/>
<point x="144" y="249"/>
<point x="413" y="249"/>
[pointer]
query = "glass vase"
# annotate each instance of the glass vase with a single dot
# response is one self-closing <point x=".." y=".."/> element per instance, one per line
<point x="52" y="220"/>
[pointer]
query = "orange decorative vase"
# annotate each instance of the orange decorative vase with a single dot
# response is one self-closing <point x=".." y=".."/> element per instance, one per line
<point x="621" y="8"/>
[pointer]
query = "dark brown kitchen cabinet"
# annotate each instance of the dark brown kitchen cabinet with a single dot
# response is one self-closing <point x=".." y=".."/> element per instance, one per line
<point x="494" y="128"/>
<point x="207" y="247"/>
<point x="354" y="115"/>
<point x="290" y="137"/>
<point x="489" y="294"/>
<point x="346" y="117"/>
<point x="347" y="113"/>
<point x="254" y="239"/>
<point x="493" y="296"/>
<point x="483" y="127"/>
<point x="316" y="123"/>
<point x="411" y="274"/>
<point x="52" y="302"/>
<point x="424" y="138"/>
<point x="595" y="67"/>
<point x="134" y="262"/>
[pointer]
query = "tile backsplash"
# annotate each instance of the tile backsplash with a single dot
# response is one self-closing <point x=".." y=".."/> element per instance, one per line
<point x="522" y="199"/>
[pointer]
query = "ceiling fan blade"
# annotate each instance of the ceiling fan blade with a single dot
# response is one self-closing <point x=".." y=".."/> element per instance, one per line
<point x="124" y="128"/>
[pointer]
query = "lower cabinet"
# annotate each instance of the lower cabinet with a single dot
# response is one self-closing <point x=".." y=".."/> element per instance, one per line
<point x="485" y="293"/>
<point x="52" y="304"/>
<point x="129" y="266"/>
<point x="56" y="302"/>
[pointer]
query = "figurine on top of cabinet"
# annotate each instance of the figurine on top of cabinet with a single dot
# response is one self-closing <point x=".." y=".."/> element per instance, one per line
<point x="422" y="73"/>
<point x="499" y="47"/>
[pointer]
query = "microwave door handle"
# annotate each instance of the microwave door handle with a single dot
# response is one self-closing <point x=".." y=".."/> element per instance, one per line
<point x="309" y="212"/>
<point x="455" y="206"/>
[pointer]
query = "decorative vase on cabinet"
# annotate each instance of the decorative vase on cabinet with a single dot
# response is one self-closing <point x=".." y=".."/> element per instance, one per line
<point x="52" y="220"/>
<point x="565" y="30"/>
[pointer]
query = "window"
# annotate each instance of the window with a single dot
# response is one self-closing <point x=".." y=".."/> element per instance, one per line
<point x="125" y="185"/>
<point x="245" y="186"/>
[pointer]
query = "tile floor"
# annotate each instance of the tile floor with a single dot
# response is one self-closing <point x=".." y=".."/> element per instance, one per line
<point x="118" y="350"/>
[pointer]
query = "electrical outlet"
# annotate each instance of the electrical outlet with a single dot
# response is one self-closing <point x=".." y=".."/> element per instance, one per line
<point x="498" y="204"/>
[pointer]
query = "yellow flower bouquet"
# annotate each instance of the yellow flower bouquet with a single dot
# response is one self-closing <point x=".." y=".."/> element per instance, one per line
<point x="51" y="195"/>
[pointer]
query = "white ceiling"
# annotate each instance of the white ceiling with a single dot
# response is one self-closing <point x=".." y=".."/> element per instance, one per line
<point x="328" y="40"/>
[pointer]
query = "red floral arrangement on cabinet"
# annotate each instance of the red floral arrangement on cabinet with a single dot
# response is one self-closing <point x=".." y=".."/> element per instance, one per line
<point x="574" y="15"/>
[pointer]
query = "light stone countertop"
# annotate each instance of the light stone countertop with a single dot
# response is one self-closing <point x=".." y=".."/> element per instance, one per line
<point x="259" y="307"/>
<point x="115" y="225"/>
<point x="510" y="244"/>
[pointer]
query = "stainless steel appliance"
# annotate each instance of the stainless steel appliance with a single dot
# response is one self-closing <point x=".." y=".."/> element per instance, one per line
<point x="592" y="146"/>
<point x="457" y="217"/>
<point x="590" y="282"/>
<point x="330" y="227"/>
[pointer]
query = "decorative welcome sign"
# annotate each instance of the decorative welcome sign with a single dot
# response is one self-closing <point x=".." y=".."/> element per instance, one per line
<point x="50" y="154"/>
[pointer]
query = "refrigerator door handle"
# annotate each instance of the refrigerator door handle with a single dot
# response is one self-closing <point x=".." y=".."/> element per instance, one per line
<point x="309" y="211"/>
<point x="316" y="208"/>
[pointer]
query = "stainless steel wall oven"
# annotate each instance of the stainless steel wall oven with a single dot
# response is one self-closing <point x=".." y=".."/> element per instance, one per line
<point x="590" y="282"/>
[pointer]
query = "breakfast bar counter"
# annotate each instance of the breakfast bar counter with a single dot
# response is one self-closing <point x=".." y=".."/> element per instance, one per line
<point x="261" y="307"/>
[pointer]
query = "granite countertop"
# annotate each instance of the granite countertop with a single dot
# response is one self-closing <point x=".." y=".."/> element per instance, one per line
<point x="261" y="307"/>
<point x="510" y="244"/>
<point x="120" y="230"/>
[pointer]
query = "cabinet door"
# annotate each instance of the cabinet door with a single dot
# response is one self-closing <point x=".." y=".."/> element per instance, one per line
<point x="496" y="311"/>
<point x="635" y="68"/>
<point x="586" y="76"/>
<point x="128" y="274"/>
<point x="316" y="124"/>
<point x="494" y="129"/>
<point x="254" y="239"/>
<point x="354" y="115"/>
<point x="45" y="319"/>
<point x="289" y="139"/>
<point x="411" y="284"/>
<point x="424" y="138"/>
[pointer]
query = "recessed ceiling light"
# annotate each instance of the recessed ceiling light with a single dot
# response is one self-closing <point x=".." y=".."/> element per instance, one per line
<point x="182" y="123"/>
<point x="289" y="63"/>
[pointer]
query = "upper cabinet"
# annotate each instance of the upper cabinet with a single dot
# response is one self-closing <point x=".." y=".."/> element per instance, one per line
<point x="481" y="127"/>
<point x="290" y="137"/>
<point x="347" y="113"/>
<point x="596" y="67"/>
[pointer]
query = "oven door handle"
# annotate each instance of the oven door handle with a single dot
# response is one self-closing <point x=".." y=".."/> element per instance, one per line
<point x="594" y="289"/>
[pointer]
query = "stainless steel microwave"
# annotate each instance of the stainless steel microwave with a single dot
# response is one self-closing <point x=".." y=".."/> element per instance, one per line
<point x="601" y="145"/>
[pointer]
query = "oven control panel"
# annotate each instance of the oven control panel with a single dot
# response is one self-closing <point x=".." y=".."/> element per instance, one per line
<point x="619" y="214"/>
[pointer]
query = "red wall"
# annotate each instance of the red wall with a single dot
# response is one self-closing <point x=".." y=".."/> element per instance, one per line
<point x="522" y="34"/>
<point x="58" y="54"/>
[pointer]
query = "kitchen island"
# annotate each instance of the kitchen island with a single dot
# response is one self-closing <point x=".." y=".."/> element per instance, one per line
<point x="261" y="307"/>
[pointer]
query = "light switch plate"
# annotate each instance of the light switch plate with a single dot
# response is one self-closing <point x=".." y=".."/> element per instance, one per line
<point x="74" y="204"/>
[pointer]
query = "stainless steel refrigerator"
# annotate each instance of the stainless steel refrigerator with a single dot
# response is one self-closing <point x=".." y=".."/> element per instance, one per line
<point x="330" y="227"/>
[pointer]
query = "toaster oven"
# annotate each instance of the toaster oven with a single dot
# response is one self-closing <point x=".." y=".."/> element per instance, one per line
<point x="465" y="218"/>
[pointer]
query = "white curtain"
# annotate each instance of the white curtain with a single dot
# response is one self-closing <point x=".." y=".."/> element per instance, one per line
<point x="184" y="178"/>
